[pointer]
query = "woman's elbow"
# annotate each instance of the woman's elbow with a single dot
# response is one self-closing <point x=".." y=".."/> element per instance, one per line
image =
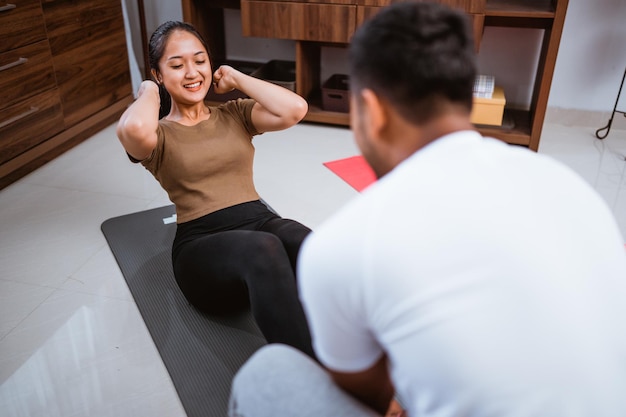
<point x="300" y="109"/>
<point x="131" y="128"/>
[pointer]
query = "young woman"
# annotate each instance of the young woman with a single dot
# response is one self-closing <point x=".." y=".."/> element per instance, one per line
<point x="230" y="250"/>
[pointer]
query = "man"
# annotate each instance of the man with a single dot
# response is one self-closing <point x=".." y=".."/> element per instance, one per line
<point x="473" y="279"/>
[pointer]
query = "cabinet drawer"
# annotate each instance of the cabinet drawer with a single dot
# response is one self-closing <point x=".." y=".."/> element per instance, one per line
<point x="29" y="123"/>
<point x="365" y="13"/>
<point x="299" y="21"/>
<point x="477" y="21"/>
<point x="20" y="25"/>
<point x="470" y="6"/>
<point x="319" y="1"/>
<point x="25" y="72"/>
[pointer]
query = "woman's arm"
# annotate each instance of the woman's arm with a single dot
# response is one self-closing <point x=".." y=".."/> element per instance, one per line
<point x="276" y="107"/>
<point x="137" y="128"/>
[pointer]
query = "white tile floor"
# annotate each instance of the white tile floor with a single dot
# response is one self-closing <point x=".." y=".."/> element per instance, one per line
<point x="72" y="342"/>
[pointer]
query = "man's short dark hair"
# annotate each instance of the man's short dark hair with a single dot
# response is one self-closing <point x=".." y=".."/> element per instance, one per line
<point x="418" y="56"/>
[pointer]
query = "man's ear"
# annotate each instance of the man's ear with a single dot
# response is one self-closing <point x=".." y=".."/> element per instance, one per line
<point x="376" y="117"/>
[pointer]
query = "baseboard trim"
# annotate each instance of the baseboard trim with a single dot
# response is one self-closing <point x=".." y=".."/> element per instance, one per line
<point x="584" y="118"/>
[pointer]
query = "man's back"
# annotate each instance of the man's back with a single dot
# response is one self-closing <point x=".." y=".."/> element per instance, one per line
<point x="484" y="279"/>
<point x="492" y="277"/>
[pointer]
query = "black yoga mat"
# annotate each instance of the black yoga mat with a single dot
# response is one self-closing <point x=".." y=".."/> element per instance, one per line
<point x="201" y="352"/>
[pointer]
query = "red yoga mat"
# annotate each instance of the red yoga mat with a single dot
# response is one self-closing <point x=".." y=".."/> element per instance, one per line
<point x="353" y="170"/>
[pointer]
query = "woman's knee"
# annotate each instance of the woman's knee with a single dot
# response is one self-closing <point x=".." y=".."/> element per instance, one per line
<point x="265" y="250"/>
<point x="290" y="232"/>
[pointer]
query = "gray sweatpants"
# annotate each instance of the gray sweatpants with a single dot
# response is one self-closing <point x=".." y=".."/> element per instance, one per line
<point x="280" y="380"/>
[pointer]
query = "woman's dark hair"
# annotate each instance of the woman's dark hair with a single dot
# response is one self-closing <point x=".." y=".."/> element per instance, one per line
<point x="418" y="56"/>
<point x="156" y="48"/>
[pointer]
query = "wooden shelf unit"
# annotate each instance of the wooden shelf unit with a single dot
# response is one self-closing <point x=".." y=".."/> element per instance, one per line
<point x="520" y="8"/>
<point x="313" y="24"/>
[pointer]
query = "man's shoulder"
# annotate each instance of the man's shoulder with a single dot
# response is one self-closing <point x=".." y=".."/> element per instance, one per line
<point x="342" y="235"/>
<point x="347" y="221"/>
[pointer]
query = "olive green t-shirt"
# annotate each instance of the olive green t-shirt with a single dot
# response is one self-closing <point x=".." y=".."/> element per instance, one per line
<point x="206" y="167"/>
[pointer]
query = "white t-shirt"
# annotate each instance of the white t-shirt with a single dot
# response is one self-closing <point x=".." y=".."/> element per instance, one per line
<point x="494" y="278"/>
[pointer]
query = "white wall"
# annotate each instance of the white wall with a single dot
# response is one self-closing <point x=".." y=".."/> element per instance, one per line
<point x="592" y="56"/>
<point x="156" y="12"/>
<point x="134" y="45"/>
<point x="589" y="67"/>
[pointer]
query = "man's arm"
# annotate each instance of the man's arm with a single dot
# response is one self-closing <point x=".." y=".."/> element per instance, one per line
<point x="372" y="386"/>
<point x="330" y="284"/>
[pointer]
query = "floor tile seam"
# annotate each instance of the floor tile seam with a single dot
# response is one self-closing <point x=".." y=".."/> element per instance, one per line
<point x="582" y="124"/>
<point x="14" y="281"/>
<point x="157" y="199"/>
<point x="617" y="164"/>
<point x="118" y="195"/>
<point x="34" y="182"/>
<point x="19" y="183"/>
<point x="68" y="277"/>
<point x="91" y="294"/>
<point x="80" y="265"/>
<point x="54" y="290"/>
<point x="609" y="144"/>
<point x="81" y="190"/>
<point x="78" y="291"/>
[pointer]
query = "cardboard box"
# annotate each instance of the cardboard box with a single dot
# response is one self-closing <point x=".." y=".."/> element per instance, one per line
<point x="489" y="111"/>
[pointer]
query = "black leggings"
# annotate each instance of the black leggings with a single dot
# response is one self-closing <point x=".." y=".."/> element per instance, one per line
<point x="243" y="256"/>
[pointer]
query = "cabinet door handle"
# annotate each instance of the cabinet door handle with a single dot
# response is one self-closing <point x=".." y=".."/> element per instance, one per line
<point x="7" y="7"/>
<point x="20" y="61"/>
<point x="27" y="113"/>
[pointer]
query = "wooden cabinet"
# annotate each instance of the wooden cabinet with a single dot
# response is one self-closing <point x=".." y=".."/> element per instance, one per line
<point x="314" y="24"/>
<point x="299" y="20"/>
<point x="469" y="6"/>
<point x="474" y="8"/>
<point x="64" y="75"/>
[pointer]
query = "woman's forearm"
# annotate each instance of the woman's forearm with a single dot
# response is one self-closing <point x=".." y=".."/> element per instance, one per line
<point x="278" y="107"/>
<point x="275" y="99"/>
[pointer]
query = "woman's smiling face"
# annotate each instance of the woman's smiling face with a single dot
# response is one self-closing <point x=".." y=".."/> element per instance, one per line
<point x="185" y="68"/>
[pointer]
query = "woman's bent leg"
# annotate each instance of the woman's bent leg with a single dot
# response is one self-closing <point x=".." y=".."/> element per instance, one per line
<point x="278" y="380"/>
<point x="219" y="272"/>
<point x="291" y="234"/>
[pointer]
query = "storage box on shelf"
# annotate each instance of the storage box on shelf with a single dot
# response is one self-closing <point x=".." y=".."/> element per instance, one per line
<point x="63" y="76"/>
<point x="489" y="111"/>
<point x="335" y="93"/>
<point x="245" y="67"/>
<point x="317" y="23"/>
<point x="279" y="72"/>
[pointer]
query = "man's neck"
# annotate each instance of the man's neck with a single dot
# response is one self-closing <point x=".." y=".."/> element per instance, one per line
<point x="409" y="138"/>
